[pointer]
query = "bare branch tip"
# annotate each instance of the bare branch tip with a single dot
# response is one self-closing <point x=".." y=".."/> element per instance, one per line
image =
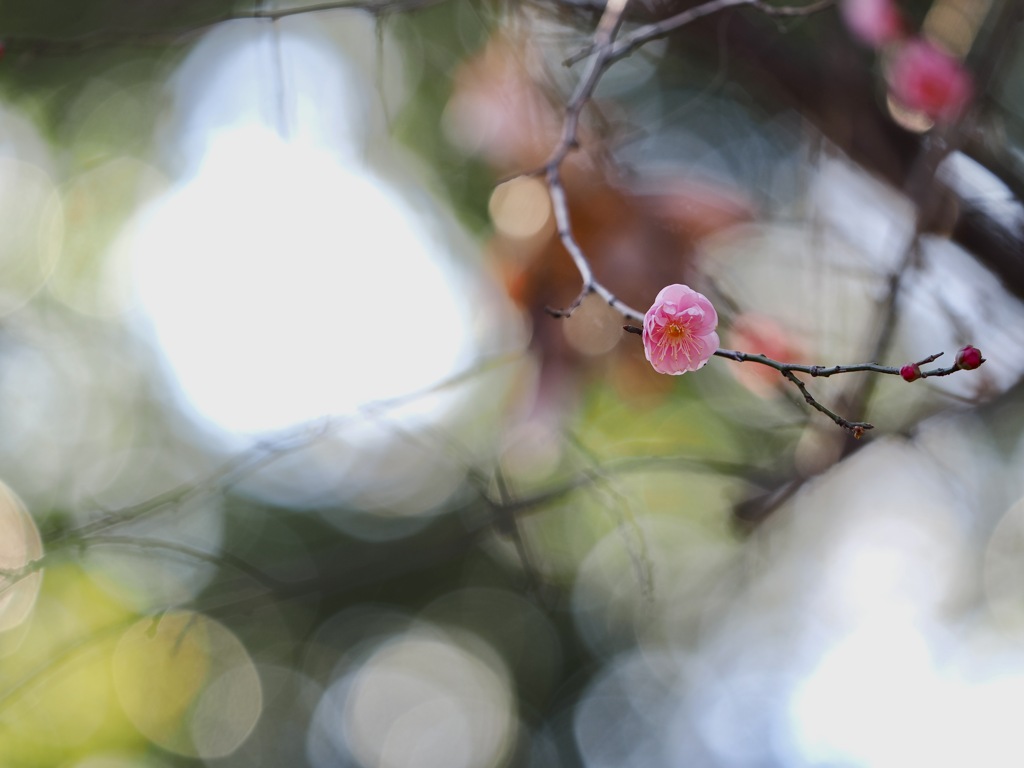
<point x="930" y="359"/>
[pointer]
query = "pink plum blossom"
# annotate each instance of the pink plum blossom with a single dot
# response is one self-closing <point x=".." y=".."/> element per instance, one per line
<point x="679" y="330"/>
<point x="873" y="22"/>
<point x="925" y="79"/>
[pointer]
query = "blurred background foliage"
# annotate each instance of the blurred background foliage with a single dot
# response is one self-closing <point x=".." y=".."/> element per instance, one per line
<point x="295" y="468"/>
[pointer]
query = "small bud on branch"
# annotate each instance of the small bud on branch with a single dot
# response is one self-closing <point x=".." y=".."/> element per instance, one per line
<point x="969" y="358"/>
<point x="910" y="372"/>
<point x="681" y="323"/>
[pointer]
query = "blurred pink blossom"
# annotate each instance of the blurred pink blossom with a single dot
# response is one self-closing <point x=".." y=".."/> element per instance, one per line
<point x="924" y="79"/>
<point x="679" y="330"/>
<point x="874" y="22"/>
<point x="763" y="335"/>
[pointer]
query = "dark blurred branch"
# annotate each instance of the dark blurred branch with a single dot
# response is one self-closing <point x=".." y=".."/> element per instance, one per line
<point x="231" y="473"/>
<point x="929" y="197"/>
<point x="998" y="244"/>
<point x="354" y="571"/>
<point x="219" y="559"/>
<point x="838" y="95"/>
<point x="372" y="6"/>
<point x="16" y="45"/>
<point x="628" y="44"/>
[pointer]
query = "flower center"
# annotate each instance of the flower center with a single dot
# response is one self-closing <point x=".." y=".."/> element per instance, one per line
<point x="677" y="332"/>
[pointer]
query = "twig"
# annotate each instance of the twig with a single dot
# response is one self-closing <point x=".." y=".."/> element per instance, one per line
<point x="658" y="29"/>
<point x="788" y="371"/>
<point x="590" y="284"/>
<point x="606" y="51"/>
<point x="856" y="428"/>
<point x="821" y="371"/>
<point x="604" y="36"/>
<point x="639" y="37"/>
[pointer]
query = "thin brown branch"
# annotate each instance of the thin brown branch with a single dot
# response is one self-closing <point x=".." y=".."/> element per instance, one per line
<point x="607" y="28"/>
<point x="856" y="428"/>
<point x="821" y="371"/>
<point x="604" y="39"/>
<point x="628" y="44"/>
<point x="655" y="30"/>
<point x="606" y="51"/>
<point x="590" y="284"/>
<point x="788" y="370"/>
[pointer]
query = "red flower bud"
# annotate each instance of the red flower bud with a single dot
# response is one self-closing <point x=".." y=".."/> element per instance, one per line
<point x="910" y="372"/>
<point x="969" y="358"/>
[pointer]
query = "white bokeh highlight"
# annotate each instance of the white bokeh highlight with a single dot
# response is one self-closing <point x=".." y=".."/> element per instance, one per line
<point x="286" y="280"/>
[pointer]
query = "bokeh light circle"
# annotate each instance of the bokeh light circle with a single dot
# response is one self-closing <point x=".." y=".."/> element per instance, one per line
<point x="187" y="683"/>
<point x="419" y="700"/>
<point x="31" y="230"/>
<point x="20" y="545"/>
<point x="1004" y="568"/>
